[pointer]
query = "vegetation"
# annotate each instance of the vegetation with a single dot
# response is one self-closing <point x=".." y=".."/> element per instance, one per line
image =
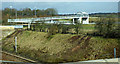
<point x="63" y="43"/>
<point x="63" y="29"/>
<point x="95" y="17"/>
<point x="61" y="47"/>
<point x="113" y="15"/>
<point x="8" y="13"/>
<point x="108" y="28"/>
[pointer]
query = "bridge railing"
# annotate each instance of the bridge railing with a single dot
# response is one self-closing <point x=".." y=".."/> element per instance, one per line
<point x="45" y="18"/>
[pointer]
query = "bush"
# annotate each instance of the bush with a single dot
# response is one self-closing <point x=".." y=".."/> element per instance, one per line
<point x="52" y="31"/>
<point x="107" y="28"/>
<point x="78" y="28"/>
<point x="64" y="29"/>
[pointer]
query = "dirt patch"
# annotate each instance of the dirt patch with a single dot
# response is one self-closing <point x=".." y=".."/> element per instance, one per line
<point x="82" y="39"/>
<point x="74" y="38"/>
<point x="86" y="43"/>
<point x="74" y="49"/>
<point x="15" y="33"/>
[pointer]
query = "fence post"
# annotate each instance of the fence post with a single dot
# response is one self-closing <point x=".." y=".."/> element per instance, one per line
<point x="15" y="44"/>
<point x="114" y="52"/>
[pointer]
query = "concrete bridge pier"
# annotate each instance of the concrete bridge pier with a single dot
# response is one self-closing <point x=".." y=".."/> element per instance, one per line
<point x="73" y="21"/>
<point x="51" y="21"/>
<point x="29" y="23"/>
<point x="80" y="20"/>
<point x="77" y="20"/>
<point x="87" y="20"/>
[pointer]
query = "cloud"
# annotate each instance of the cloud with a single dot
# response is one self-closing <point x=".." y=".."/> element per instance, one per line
<point x="60" y="0"/>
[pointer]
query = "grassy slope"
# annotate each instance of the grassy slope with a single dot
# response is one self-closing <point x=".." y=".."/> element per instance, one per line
<point x="59" y="48"/>
<point x="38" y="40"/>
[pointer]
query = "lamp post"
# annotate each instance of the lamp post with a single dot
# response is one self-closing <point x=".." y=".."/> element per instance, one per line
<point x="35" y="12"/>
<point x="11" y="11"/>
<point x="16" y="14"/>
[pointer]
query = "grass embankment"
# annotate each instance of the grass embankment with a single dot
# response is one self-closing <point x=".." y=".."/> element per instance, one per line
<point x="88" y="27"/>
<point x="61" y="47"/>
<point x="97" y="19"/>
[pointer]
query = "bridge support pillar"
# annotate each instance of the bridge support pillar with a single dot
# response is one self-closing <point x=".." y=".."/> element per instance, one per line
<point x="87" y="21"/>
<point x="80" y="19"/>
<point x="29" y="25"/>
<point x="51" y="21"/>
<point x="73" y="21"/>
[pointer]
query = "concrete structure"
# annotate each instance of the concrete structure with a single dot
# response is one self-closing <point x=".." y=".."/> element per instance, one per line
<point x="100" y="61"/>
<point x="81" y="17"/>
<point x="10" y="27"/>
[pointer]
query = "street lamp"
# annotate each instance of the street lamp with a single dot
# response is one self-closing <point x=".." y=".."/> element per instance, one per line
<point x="16" y="14"/>
<point x="35" y="12"/>
<point x="11" y="7"/>
<point x="15" y="11"/>
<point x="11" y="11"/>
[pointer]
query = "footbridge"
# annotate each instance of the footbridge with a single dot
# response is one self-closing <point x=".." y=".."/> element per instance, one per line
<point x="81" y="17"/>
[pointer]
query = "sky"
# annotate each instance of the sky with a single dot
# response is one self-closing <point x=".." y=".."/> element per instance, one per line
<point x="66" y="7"/>
<point x="60" y="0"/>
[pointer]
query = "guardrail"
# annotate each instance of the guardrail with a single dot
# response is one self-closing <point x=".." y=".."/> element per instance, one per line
<point x="19" y="57"/>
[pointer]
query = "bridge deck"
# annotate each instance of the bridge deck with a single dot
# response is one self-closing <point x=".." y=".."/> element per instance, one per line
<point x="44" y="18"/>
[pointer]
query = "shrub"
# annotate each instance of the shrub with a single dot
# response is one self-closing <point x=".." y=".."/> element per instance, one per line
<point x="107" y="28"/>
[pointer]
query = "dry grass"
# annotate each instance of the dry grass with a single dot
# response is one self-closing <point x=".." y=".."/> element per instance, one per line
<point x="38" y="40"/>
<point x="6" y="28"/>
<point x="5" y="33"/>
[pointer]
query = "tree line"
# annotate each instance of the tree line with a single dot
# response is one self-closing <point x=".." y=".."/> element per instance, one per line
<point x="12" y="13"/>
